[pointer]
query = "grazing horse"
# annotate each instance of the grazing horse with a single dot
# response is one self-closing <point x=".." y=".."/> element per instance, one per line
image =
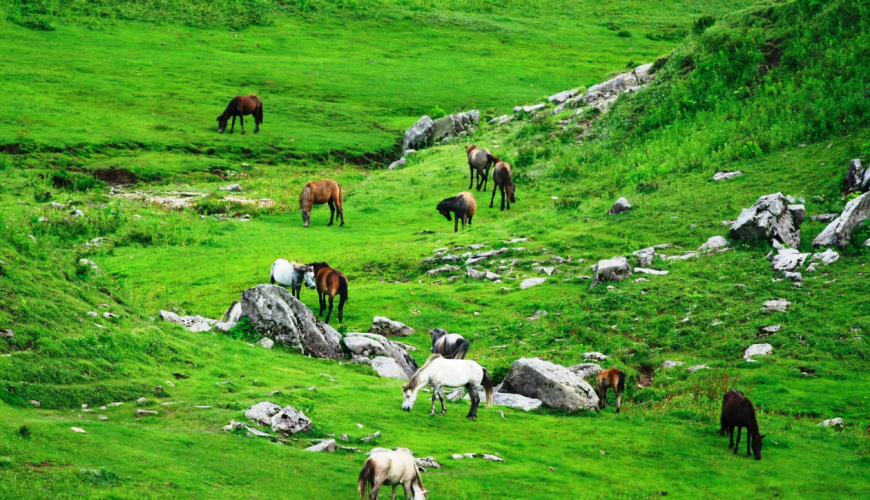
<point x="449" y="345"/>
<point x="440" y="372"/>
<point x="241" y="106"/>
<point x="613" y="379"/>
<point x="479" y="160"/>
<point x="293" y="275"/>
<point x="501" y="178"/>
<point x="317" y="193"/>
<point x="737" y="411"/>
<point x="391" y="468"/>
<point x="329" y="283"/>
<point x="462" y="206"/>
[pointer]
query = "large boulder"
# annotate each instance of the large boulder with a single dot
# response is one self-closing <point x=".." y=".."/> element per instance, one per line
<point x="275" y="313"/>
<point x="839" y="231"/>
<point x="419" y="134"/>
<point x="363" y="347"/>
<point x="372" y="344"/>
<point x="555" y="385"/>
<point x="387" y="367"/>
<point x="619" y="206"/>
<point x="290" y="421"/>
<point x="854" y="176"/>
<point x="263" y="412"/>
<point x="769" y="218"/>
<point x="388" y="327"/>
<point x="615" y="269"/>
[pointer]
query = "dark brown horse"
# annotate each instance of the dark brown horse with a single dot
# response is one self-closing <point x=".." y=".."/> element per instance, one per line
<point x="330" y="282"/>
<point x="610" y="379"/>
<point x="241" y="106"/>
<point x="737" y="411"/>
<point x="479" y="160"/>
<point x="501" y="177"/>
<point x="462" y="206"/>
<point x="317" y="193"/>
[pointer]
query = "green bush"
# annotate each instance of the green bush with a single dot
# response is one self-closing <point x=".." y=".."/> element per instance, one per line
<point x="436" y="113"/>
<point x="244" y="331"/>
<point x="99" y="477"/>
<point x="702" y="23"/>
<point x="624" y="34"/>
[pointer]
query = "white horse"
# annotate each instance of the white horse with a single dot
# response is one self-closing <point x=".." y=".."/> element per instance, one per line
<point x="439" y="372"/>
<point x="391" y="468"/>
<point x="292" y="274"/>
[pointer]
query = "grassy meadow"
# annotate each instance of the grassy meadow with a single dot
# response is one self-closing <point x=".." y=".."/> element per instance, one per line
<point x="340" y="83"/>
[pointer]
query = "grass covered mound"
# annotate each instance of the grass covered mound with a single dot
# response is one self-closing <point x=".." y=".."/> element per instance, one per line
<point x="719" y="101"/>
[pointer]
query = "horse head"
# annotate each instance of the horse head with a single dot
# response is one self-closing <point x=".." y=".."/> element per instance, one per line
<point x="756" y="447"/>
<point x="309" y="277"/>
<point x="410" y="396"/>
<point x="511" y="189"/>
<point x="222" y="123"/>
<point x="470" y="148"/>
<point x="306" y="218"/>
<point x="437" y="333"/>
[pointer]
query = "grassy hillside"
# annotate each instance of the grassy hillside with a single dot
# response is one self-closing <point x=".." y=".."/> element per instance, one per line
<point x="774" y="91"/>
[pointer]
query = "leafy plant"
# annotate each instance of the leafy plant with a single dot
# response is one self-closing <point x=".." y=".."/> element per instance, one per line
<point x="702" y="23"/>
<point x="100" y="477"/>
<point x="244" y="331"/>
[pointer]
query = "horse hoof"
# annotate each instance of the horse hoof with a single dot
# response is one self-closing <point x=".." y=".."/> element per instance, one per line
<point x="243" y="132"/>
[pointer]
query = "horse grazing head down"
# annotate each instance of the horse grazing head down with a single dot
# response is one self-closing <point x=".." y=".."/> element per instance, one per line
<point x="222" y="123"/>
<point x="410" y="397"/>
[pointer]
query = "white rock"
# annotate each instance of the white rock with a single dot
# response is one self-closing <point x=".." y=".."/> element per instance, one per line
<point x="621" y="205"/>
<point x="793" y="276"/>
<point x="530" y="282"/>
<point x="671" y="364"/>
<point x="833" y="422"/>
<point x="329" y="445"/>
<point x="192" y="323"/>
<point x="767" y="219"/>
<point x="615" y="269"/>
<point x="141" y="401"/>
<point x="554" y="385"/>
<point x="387" y="327"/>
<point x="266" y="342"/>
<point x="757" y="350"/>
<point x="788" y="261"/>
<point x="457" y="456"/>
<point x="597" y="356"/>
<point x="492" y="458"/>
<point x="714" y="243"/>
<point x="79" y="430"/>
<point x="289" y="420"/>
<point x="389" y="368"/>
<point x="232" y="187"/>
<point x="839" y="231"/>
<point x="827" y="257"/>
<point x="777" y="305"/>
<point x="693" y="369"/>
<point x="263" y="412"/>
<point x="643" y="270"/>
<point x="397" y="164"/>
<point x="721" y="176"/>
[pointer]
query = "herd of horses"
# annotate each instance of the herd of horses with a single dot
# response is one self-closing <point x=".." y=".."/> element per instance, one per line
<point x="447" y="366"/>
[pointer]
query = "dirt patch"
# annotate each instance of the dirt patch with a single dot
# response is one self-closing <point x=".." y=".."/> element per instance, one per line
<point x="645" y="376"/>
<point x="116" y="176"/>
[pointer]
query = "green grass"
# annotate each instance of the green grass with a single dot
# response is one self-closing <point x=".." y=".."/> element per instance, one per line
<point x="663" y="443"/>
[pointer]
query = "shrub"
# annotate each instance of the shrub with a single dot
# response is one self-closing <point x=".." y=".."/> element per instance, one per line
<point x="624" y="34"/>
<point x="99" y="477"/>
<point x="436" y="113"/>
<point x="244" y="331"/>
<point x="702" y="23"/>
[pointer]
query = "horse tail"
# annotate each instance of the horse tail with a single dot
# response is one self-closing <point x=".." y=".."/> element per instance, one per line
<point x="366" y="479"/>
<point x="461" y="349"/>
<point x="621" y="385"/>
<point x="492" y="159"/>
<point x="260" y="112"/>
<point x="342" y="291"/>
<point x="487" y="386"/>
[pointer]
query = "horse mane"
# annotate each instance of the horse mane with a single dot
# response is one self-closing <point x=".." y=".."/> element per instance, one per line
<point x="415" y="378"/>
<point x="322" y="264"/>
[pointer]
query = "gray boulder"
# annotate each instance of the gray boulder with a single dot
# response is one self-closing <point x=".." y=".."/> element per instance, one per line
<point x="364" y="347"/>
<point x="799" y="212"/>
<point x="555" y="385"/>
<point x="584" y="370"/>
<point x="398" y="163"/>
<point x="328" y="445"/>
<point x="275" y="313"/>
<point x="263" y="412"/>
<point x="769" y="218"/>
<point x="388" y="368"/>
<point x="419" y="134"/>
<point x="645" y="257"/>
<point x="827" y="257"/>
<point x="621" y="205"/>
<point x="233" y="313"/>
<point x="714" y="243"/>
<point x="381" y="346"/>
<point x="757" y="350"/>
<point x="788" y="261"/>
<point x="387" y="327"/>
<point x="290" y="421"/>
<point x="562" y="97"/>
<point x="616" y="269"/>
<point x="721" y="176"/>
<point x="266" y="343"/>
<point x="839" y="231"/>
<point x="854" y="176"/>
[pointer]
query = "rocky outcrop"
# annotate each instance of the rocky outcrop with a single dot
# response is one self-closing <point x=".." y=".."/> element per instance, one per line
<point x="838" y="232"/>
<point x="427" y="130"/>
<point x="721" y="176"/>
<point x="387" y="327"/>
<point x="606" y="92"/>
<point x="619" y="206"/>
<point x="372" y="345"/>
<point x="285" y="420"/>
<point x="757" y="350"/>
<point x="273" y="312"/>
<point x="555" y="385"/>
<point x="616" y="269"/>
<point x="769" y="218"/>
<point x="855" y="176"/>
<point x="419" y="134"/>
<point x="192" y="323"/>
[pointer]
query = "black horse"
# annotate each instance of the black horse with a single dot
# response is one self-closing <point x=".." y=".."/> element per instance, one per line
<point x="449" y="345"/>
<point x="737" y="411"/>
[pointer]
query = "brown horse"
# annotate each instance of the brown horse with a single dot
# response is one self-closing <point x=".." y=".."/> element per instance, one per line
<point x="241" y="106"/>
<point x="462" y="206"/>
<point x="501" y="177"/>
<point x="737" y="411"/>
<point x="613" y="379"/>
<point x="317" y="193"/>
<point x="479" y="160"/>
<point x="330" y="282"/>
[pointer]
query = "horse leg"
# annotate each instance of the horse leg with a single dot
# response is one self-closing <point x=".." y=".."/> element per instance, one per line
<point x="730" y="437"/>
<point x="328" y="314"/>
<point x="331" y="211"/>
<point x="748" y="441"/>
<point x="501" y="190"/>
<point x="434" y="395"/>
<point x="618" y="400"/>
<point x="602" y="398"/>
<point x="441" y="397"/>
<point x="471" y="174"/>
<point x="242" y="122"/>
<point x="233" y="125"/>
<point x="375" y="490"/>
<point x="737" y="443"/>
<point x="321" y="301"/>
<point x="485" y="177"/>
<point x="456" y="224"/>
<point x="396" y="486"/>
<point x="492" y="200"/>
<point x="475" y="401"/>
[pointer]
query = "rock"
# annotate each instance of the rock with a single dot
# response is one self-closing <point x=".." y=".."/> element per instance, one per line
<point x="6" y="332"/>
<point x="621" y="205"/>
<point x="273" y="312"/>
<point x="584" y="370"/>
<point x="360" y="346"/>
<point x="109" y="315"/>
<point x="827" y="257"/>
<point x="545" y="270"/>
<point x="262" y="413"/>
<point x="538" y="314"/>
<point x="377" y="450"/>
<point x="793" y="276"/>
<point x="140" y="401"/>
<point x="192" y="323"/>
<point x="232" y="187"/>
<point x="530" y="282"/>
<point x="77" y="213"/>
<point x="778" y="305"/>
<point x="721" y="176"/>
<point x="645" y="256"/>
<point x="492" y="458"/>
<point x="492" y="276"/>
<point x="501" y="120"/>
<point x="396" y="350"/>
<point x="799" y="213"/>
<point x="79" y="430"/>
<point x="554" y="385"/>
<point x="398" y="163"/>
<point x="671" y="364"/>
<point x="839" y="231"/>
<point x="389" y="368"/>
<point x="56" y="206"/>
<point x="714" y="243"/>
<point x="514" y="401"/>
<point x="770" y="330"/>
<point x="266" y="342"/>
<point x="428" y="462"/>
<point x="643" y="270"/>
<point x="562" y="97"/>
<point x="768" y="219"/>
<point x="529" y="109"/>
<point x="419" y="134"/>
<point x="685" y="256"/>
<point x="255" y="432"/>
<point x="91" y="264"/>
<point x="474" y="274"/>
<point x="788" y="261"/>
<point x="457" y="456"/>
<point x="615" y="269"/>
<point x="594" y="355"/>
<point x="145" y="413"/>
<point x="833" y="422"/>
<point x="387" y="327"/>
<point x="446" y="269"/>
<point x="824" y="217"/>
<point x="289" y="420"/>
<point x="35" y="403"/>
<point x="693" y="369"/>
<point x="757" y="350"/>
<point x="233" y="313"/>
<point x="329" y="445"/>
<point x="854" y="176"/>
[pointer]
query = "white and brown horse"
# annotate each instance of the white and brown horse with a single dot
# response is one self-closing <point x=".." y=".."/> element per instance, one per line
<point x="440" y="372"/>
<point x="391" y="468"/>
<point x="293" y="275"/>
<point x="610" y="379"/>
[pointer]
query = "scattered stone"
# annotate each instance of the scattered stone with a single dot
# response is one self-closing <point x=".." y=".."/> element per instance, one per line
<point x="693" y="369"/>
<point x="140" y="401"/>
<point x="529" y="109"/>
<point x="79" y="430"/>
<point x="793" y="276"/>
<point x="289" y="420"/>
<point x="6" y="332"/>
<point x="35" y="403"/>
<point x="584" y="370"/>
<point x="366" y="345"/>
<point x="777" y="305"/>
<point x="145" y="413"/>
<point x="114" y="404"/>
<point x="554" y="385"/>
<point x="615" y="269"/>
<point x="769" y="218"/>
<point x="109" y="315"/>
<point x="621" y="205"/>
<point x="788" y="261"/>
<point x="721" y="176"/>
<point x="428" y="462"/>
<point x="671" y="364"/>
<point x="492" y="458"/>
<point x="192" y="323"/>
<point x="714" y="243"/>
<point x="757" y="350"/>
<point x="538" y="315"/>
<point x="329" y="445"/>
<point x="232" y="187"/>
<point x="839" y="231"/>
<point x="799" y="212"/>
<point x="643" y="270"/>
<point x="446" y="269"/>
<point x="263" y="412"/>
<point x="474" y="273"/>
<point x="833" y="422"/>
<point x="685" y="256"/>
<point x="457" y="456"/>
<point x="827" y="257"/>
<point x="397" y="164"/>
<point x="770" y="330"/>
<point x="387" y="327"/>
<point x="530" y="282"/>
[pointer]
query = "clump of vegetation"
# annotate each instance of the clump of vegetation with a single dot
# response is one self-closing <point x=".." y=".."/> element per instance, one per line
<point x="24" y="432"/>
<point x="244" y="331"/>
<point x="702" y="23"/>
<point x="102" y="477"/>
<point x="624" y="34"/>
